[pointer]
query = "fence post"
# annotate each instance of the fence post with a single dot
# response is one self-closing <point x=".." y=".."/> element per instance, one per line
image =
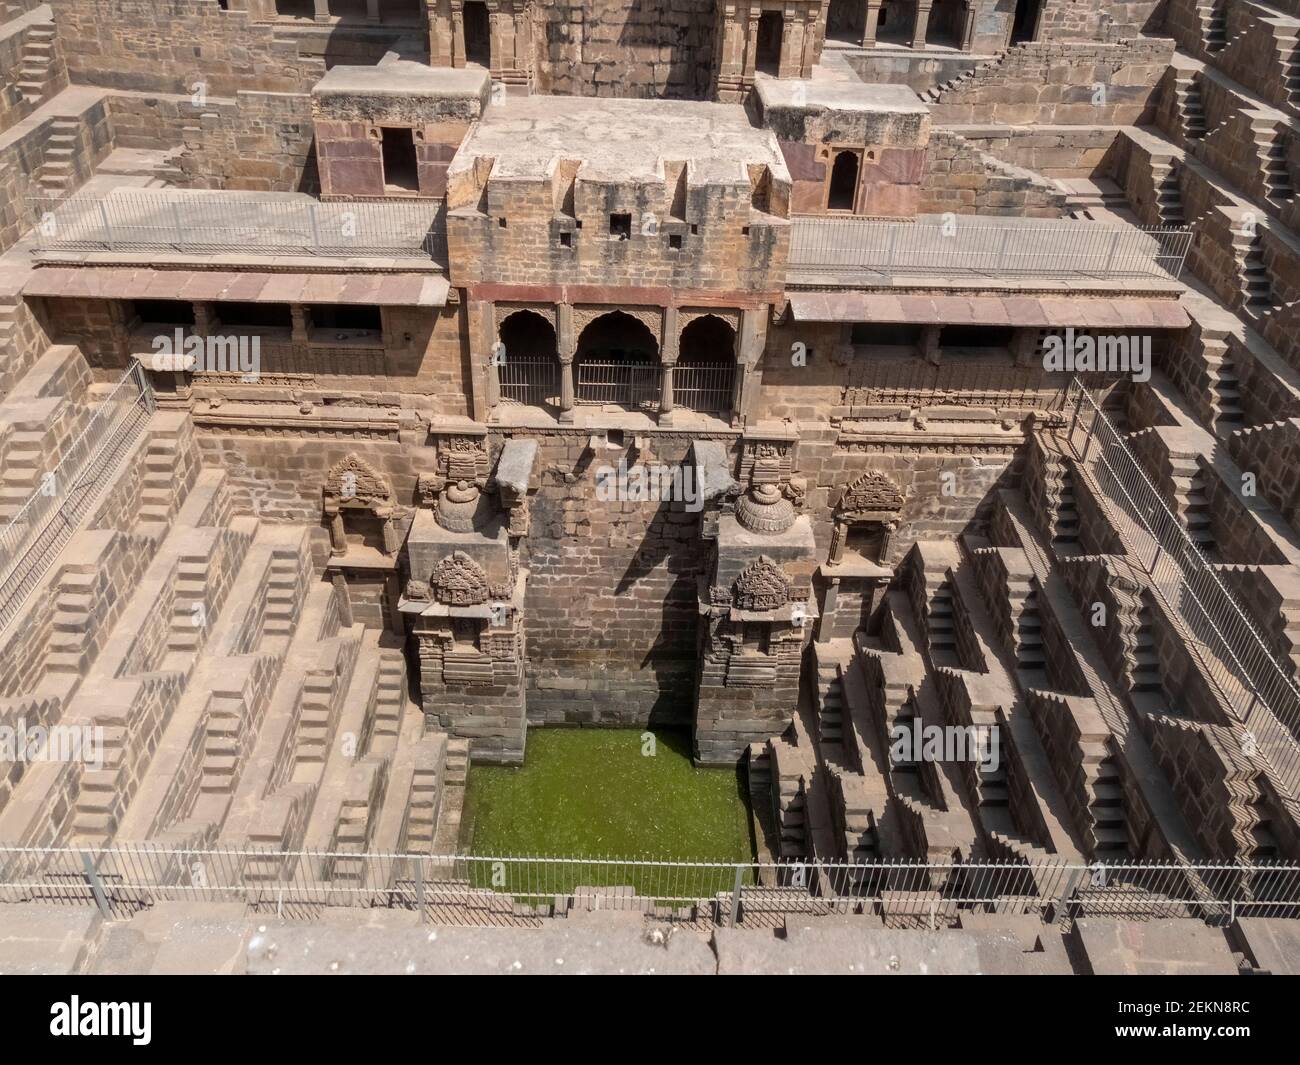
<point x="108" y="226"/>
<point x="1063" y="903"/>
<point x="96" y="885"/>
<point x="735" y="897"/>
<point x="419" y="888"/>
<point x="176" y="222"/>
<point x="1110" y="256"/>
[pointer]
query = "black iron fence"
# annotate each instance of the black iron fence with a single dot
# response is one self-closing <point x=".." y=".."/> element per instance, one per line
<point x="627" y="384"/>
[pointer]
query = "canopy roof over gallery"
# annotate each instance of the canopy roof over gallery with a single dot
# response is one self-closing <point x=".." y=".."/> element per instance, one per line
<point x="110" y="282"/>
<point x="1044" y="312"/>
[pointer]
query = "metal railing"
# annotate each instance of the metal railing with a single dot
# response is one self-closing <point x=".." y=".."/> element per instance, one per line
<point x="477" y="889"/>
<point x="983" y="248"/>
<point x="533" y="380"/>
<point x="632" y="385"/>
<point x="215" y="223"/>
<point x="1258" y="689"/>
<point x="704" y="387"/>
<point x="31" y="539"/>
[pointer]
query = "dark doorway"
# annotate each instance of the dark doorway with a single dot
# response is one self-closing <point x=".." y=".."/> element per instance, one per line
<point x="896" y="20"/>
<point x="845" y="21"/>
<point x="706" y="366"/>
<point x="947" y="22"/>
<point x="401" y="171"/>
<point x="1025" y="25"/>
<point x="617" y="363"/>
<point x="767" y="60"/>
<point x="527" y="367"/>
<point x="843" y="193"/>
<point x="866" y="539"/>
<point x="478" y="34"/>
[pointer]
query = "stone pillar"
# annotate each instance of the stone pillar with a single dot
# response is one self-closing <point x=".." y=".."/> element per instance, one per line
<point x="790" y="64"/>
<point x="340" y="583"/>
<point x="731" y="63"/>
<point x="930" y="344"/>
<point x="457" y="33"/>
<point x="749" y="349"/>
<point x="1024" y="346"/>
<point x="921" y="24"/>
<point x="887" y="531"/>
<point x="322" y="10"/>
<point x="492" y="338"/>
<point x="338" y="538"/>
<point x="839" y="537"/>
<point x="372" y="10"/>
<point x="566" y="348"/>
<point x="751" y="44"/>
<point x="300" y="326"/>
<point x="871" y="24"/>
<point x="669" y="349"/>
<point x="968" y="27"/>
<point x="203" y="319"/>
<point x="392" y="538"/>
<point x="497" y="21"/>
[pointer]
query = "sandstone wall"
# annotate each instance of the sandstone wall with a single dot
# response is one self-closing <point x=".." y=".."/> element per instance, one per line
<point x="53" y="75"/>
<point x="170" y="45"/>
<point x="1061" y="83"/>
<point x="1049" y="151"/>
<point x="627" y="48"/>
<point x="23" y="154"/>
<point x="1099" y="20"/>
<point x="965" y="180"/>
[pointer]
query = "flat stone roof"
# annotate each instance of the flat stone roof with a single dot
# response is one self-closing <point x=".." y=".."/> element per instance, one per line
<point x="402" y="78"/>
<point x="619" y="140"/>
<point x="824" y="94"/>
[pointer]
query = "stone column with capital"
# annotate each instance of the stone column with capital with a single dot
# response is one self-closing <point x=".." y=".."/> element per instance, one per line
<point x="668" y="353"/>
<point x="749" y="349"/>
<point x="921" y="24"/>
<point x="566" y="341"/>
<point x="457" y="33"/>
<point x="871" y="23"/>
<point x="790" y="65"/>
<point x="751" y="45"/>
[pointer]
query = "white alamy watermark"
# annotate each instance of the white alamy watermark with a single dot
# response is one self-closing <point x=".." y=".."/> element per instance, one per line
<point x="77" y="1018"/>
<point x="649" y="484"/>
<point x="1084" y="353"/>
<point x="209" y="354"/>
<point x="912" y="742"/>
<point x="58" y="743"/>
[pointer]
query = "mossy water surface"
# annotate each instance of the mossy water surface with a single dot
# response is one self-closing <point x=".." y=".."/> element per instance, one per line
<point x="596" y="793"/>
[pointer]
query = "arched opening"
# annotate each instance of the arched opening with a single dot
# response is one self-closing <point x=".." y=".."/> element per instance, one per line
<point x="617" y="364"/>
<point x="767" y="59"/>
<point x="846" y="21"/>
<point x="478" y="33"/>
<point x="527" y="366"/>
<point x="1025" y="25"/>
<point x="842" y="194"/>
<point x="947" y="20"/>
<point x="706" y="366"/>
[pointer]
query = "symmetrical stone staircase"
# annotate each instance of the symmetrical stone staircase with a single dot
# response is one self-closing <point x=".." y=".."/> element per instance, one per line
<point x="1189" y="106"/>
<point x="57" y="174"/>
<point x="36" y="68"/>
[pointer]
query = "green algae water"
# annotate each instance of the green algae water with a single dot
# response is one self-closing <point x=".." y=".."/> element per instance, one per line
<point x="592" y="793"/>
